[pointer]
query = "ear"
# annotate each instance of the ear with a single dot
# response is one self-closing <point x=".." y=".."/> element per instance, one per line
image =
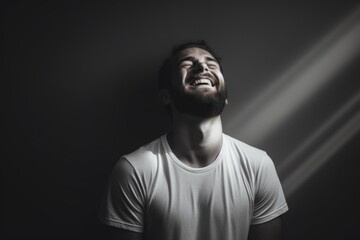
<point x="226" y="102"/>
<point x="164" y="96"/>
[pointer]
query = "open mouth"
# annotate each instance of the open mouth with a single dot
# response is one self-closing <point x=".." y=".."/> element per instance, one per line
<point x="202" y="82"/>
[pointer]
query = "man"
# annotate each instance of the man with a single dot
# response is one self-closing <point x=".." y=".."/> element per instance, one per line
<point x="194" y="182"/>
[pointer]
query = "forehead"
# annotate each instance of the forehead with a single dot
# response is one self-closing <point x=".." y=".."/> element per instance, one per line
<point x="193" y="52"/>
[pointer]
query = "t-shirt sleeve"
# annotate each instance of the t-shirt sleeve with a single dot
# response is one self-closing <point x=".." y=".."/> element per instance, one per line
<point x="123" y="201"/>
<point x="269" y="197"/>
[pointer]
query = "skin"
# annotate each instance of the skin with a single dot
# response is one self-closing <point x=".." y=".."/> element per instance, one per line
<point x="197" y="141"/>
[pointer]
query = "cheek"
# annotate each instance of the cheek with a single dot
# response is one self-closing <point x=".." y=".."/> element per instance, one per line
<point x="183" y="73"/>
<point x="219" y="76"/>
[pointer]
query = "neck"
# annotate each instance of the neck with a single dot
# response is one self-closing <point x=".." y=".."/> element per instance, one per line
<point x="196" y="141"/>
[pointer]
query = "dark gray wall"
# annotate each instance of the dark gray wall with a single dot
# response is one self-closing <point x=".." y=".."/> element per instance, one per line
<point x="79" y="90"/>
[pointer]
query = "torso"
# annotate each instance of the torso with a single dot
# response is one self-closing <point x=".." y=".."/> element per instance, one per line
<point x="214" y="202"/>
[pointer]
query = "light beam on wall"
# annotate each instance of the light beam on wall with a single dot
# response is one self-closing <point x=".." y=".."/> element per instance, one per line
<point x="297" y="85"/>
<point x="312" y="164"/>
<point x="286" y="166"/>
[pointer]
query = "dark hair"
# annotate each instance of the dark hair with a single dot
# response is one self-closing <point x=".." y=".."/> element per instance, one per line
<point x="165" y="69"/>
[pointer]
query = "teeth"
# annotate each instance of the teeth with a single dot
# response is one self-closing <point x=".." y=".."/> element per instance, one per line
<point x="202" y="81"/>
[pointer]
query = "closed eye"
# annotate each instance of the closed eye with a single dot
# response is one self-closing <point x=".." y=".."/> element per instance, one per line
<point x="213" y="66"/>
<point x="186" y="64"/>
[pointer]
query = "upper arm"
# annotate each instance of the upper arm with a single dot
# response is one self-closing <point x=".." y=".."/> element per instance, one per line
<point x="269" y="199"/>
<point x="123" y="203"/>
<point x="271" y="230"/>
<point x="269" y="204"/>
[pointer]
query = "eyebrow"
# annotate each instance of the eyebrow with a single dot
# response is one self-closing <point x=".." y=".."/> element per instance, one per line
<point x="193" y="59"/>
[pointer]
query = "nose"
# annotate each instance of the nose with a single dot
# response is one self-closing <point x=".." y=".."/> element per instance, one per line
<point x="202" y="67"/>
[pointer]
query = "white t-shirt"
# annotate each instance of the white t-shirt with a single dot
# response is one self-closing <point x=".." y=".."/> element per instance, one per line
<point x="152" y="191"/>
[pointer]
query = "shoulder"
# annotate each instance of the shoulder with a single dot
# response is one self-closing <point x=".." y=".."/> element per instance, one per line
<point x="143" y="162"/>
<point x="146" y="154"/>
<point x="244" y="150"/>
<point x="251" y="159"/>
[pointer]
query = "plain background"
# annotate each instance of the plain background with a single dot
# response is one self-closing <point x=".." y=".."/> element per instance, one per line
<point x="79" y="90"/>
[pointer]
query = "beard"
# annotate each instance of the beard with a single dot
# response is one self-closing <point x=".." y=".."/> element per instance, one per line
<point x="196" y="103"/>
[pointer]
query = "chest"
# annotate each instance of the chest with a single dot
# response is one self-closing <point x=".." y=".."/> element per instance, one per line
<point x="219" y="197"/>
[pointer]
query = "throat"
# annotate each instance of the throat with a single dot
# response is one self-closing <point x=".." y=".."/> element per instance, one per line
<point x="198" y="146"/>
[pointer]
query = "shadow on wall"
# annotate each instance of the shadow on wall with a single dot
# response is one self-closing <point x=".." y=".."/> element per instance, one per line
<point x="64" y="143"/>
<point x="133" y="117"/>
<point x="134" y="112"/>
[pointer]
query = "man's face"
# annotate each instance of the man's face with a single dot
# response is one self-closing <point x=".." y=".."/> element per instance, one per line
<point x="197" y="84"/>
